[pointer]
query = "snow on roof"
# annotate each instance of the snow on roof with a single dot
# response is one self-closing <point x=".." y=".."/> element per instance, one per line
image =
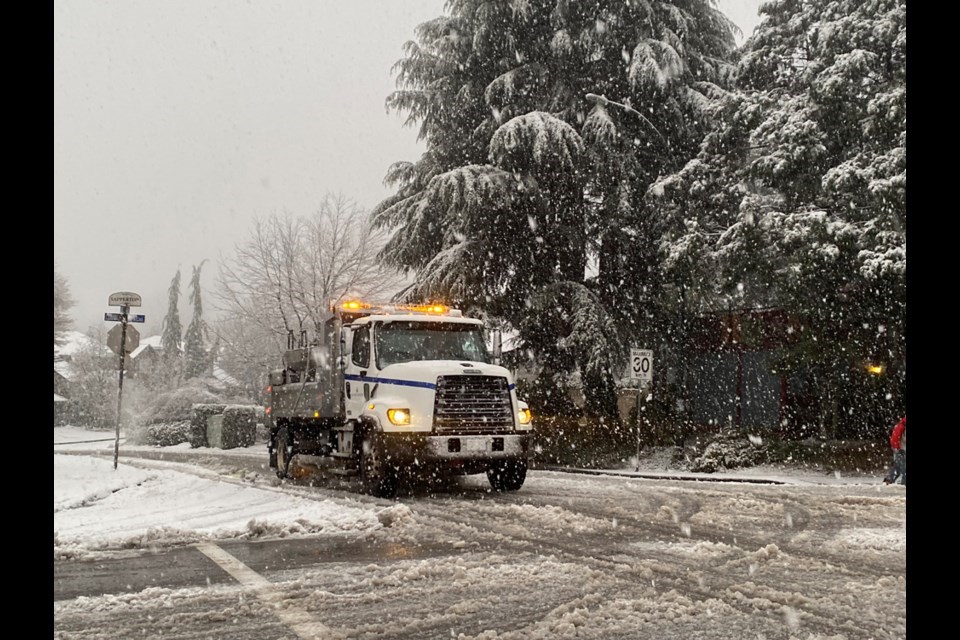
<point x="57" y="398"/>
<point x="63" y="368"/>
<point x="154" y="342"/>
<point x="224" y="377"/>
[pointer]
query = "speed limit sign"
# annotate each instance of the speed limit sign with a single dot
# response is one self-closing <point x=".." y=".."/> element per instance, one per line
<point x="641" y="365"/>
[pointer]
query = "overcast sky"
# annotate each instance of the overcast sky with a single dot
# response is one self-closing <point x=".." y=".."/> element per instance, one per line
<point x="177" y="122"/>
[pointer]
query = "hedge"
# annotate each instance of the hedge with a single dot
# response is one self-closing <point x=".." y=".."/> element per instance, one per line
<point x="198" y="423"/>
<point x="240" y="426"/>
<point x="167" y="434"/>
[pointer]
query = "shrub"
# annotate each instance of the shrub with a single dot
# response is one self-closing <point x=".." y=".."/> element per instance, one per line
<point x="729" y="449"/>
<point x="198" y="422"/>
<point x="239" y="426"/>
<point x="163" y="434"/>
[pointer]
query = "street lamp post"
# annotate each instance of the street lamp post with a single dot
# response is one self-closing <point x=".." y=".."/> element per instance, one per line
<point x="604" y="101"/>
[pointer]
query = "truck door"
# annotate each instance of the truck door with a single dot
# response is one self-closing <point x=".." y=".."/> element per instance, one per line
<point x="358" y="373"/>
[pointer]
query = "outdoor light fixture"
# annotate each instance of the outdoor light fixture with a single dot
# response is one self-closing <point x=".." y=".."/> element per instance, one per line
<point x="875" y="369"/>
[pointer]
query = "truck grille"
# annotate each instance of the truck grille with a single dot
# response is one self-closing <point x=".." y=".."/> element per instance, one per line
<point x="472" y="404"/>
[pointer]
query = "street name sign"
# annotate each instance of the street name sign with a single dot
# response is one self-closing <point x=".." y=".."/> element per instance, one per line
<point x="118" y="317"/>
<point x="124" y="299"/>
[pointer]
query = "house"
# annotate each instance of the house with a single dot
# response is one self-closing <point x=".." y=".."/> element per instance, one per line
<point x="145" y="359"/>
<point x="731" y="375"/>
<point x="62" y="406"/>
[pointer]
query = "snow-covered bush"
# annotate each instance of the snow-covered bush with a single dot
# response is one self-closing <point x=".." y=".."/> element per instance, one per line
<point x="240" y="425"/>
<point x="163" y="434"/>
<point x="729" y="449"/>
<point x="198" y="422"/>
<point x="177" y="405"/>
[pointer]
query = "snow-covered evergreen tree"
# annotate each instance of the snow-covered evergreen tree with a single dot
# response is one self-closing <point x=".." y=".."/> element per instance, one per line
<point x="172" y="330"/>
<point x="525" y="182"/>
<point x="195" y="359"/>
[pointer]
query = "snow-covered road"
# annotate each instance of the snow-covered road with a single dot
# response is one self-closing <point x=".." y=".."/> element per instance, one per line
<point x="567" y="556"/>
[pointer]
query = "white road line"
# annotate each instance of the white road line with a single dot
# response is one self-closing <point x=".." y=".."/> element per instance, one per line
<point x="300" y="621"/>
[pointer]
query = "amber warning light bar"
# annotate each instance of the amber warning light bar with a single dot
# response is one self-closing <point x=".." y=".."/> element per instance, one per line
<point x="430" y="309"/>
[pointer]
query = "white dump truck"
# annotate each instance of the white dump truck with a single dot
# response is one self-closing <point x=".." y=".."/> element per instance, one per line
<point x="390" y="391"/>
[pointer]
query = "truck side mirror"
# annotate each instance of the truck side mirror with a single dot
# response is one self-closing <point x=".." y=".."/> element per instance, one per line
<point x="497" y="346"/>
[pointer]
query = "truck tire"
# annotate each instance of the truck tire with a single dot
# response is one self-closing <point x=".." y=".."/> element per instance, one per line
<point x="376" y="476"/>
<point x="508" y="475"/>
<point x="272" y="453"/>
<point x="284" y="452"/>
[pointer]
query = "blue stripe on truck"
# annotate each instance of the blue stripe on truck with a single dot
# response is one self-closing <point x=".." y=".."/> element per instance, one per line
<point x="402" y="383"/>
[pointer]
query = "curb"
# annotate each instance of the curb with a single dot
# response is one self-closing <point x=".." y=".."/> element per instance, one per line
<point x="657" y="476"/>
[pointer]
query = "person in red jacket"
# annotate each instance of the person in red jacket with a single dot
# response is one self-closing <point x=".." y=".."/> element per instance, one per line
<point x="898" y="442"/>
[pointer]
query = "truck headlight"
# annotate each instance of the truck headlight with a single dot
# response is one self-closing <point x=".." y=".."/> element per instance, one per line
<point x="399" y="416"/>
<point x="524" y="416"/>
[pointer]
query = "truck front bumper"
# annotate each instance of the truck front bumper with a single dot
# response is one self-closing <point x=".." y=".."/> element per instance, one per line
<point x="477" y="447"/>
<point x="427" y="447"/>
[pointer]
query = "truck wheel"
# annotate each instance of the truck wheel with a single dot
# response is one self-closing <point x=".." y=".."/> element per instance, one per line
<point x="376" y="478"/>
<point x="272" y="453"/>
<point x="284" y="453"/>
<point x="508" y="475"/>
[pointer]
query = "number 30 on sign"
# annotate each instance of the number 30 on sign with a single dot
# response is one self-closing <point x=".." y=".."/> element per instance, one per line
<point x="641" y="364"/>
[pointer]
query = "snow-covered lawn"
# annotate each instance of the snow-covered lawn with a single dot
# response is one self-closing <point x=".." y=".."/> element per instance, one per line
<point x="97" y="507"/>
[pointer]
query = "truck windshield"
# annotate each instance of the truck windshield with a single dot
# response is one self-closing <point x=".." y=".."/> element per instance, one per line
<point x="410" y="341"/>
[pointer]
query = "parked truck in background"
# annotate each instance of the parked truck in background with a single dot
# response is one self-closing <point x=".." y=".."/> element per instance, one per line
<point x="391" y="391"/>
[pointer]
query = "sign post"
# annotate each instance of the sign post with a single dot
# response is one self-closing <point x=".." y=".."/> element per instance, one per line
<point x="640" y="368"/>
<point x="124" y="300"/>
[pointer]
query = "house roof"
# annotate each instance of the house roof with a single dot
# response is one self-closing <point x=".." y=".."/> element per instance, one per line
<point x="224" y="377"/>
<point x="153" y="342"/>
<point x="63" y="369"/>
